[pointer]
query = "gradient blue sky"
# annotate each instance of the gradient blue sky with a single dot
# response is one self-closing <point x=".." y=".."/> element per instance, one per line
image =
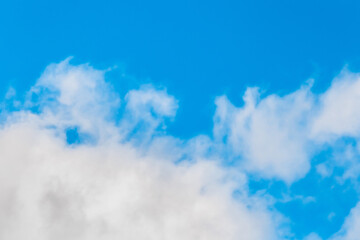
<point x="199" y="50"/>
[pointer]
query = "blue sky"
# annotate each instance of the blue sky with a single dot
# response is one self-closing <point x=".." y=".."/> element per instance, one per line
<point x="219" y="47"/>
<point x="198" y="58"/>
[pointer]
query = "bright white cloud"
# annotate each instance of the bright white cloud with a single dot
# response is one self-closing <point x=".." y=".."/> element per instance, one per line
<point x="52" y="191"/>
<point x="112" y="189"/>
<point x="276" y="136"/>
<point x="136" y="182"/>
<point x="339" y="113"/>
<point x="68" y="95"/>
<point x="269" y="133"/>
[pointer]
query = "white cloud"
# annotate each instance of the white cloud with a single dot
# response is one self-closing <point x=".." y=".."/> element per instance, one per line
<point x="136" y="182"/>
<point x="339" y="111"/>
<point x="51" y="191"/>
<point x="351" y="228"/>
<point x="68" y="95"/>
<point x="112" y="189"/>
<point x="146" y="109"/>
<point x="269" y="133"/>
<point x="276" y="136"/>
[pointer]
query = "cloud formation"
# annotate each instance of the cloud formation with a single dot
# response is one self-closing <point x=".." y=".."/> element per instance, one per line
<point x="270" y="134"/>
<point x="339" y="115"/>
<point x="276" y="136"/>
<point x="125" y="178"/>
<point x="110" y="187"/>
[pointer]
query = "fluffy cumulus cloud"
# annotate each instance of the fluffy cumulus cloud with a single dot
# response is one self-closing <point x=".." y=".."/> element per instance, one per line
<point x="125" y="178"/>
<point x="276" y="136"/>
<point x="108" y="186"/>
<point x="339" y="115"/>
<point x="269" y="134"/>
